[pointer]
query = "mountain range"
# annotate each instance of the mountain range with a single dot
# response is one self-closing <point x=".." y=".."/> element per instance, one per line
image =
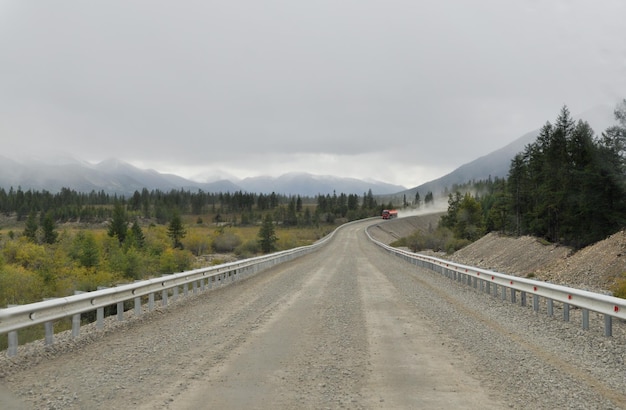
<point x="119" y="177"/>
<point x="122" y="178"/>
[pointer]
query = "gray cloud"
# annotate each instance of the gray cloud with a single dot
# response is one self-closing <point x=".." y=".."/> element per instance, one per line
<point x="403" y="89"/>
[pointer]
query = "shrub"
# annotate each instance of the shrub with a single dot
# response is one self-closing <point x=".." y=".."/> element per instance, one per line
<point x="175" y="260"/>
<point x="619" y="289"/>
<point x="226" y="242"/>
<point x="248" y="249"/>
<point x="197" y="243"/>
<point x="455" y="244"/>
<point x="19" y="285"/>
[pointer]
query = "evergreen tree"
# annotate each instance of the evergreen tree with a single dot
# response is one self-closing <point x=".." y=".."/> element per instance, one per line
<point x="353" y="202"/>
<point x="369" y="202"/>
<point x="136" y="235"/>
<point x="469" y="219"/>
<point x="307" y="217"/>
<point x="517" y="183"/>
<point x="50" y="234"/>
<point x="267" y="235"/>
<point x="30" y="230"/>
<point x="86" y="249"/>
<point x="429" y="199"/>
<point x="176" y="231"/>
<point x="291" y="218"/>
<point x="449" y="220"/>
<point x="299" y="204"/>
<point x="497" y="210"/>
<point x="119" y="224"/>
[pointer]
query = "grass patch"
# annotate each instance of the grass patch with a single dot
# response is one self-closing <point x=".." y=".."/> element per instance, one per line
<point x="619" y="289"/>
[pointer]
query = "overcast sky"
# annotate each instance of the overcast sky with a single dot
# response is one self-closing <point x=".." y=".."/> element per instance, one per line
<point x="399" y="91"/>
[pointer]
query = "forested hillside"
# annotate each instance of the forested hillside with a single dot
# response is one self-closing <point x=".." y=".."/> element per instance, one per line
<point x="567" y="187"/>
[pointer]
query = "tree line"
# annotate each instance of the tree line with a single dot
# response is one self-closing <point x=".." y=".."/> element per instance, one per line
<point x="69" y="205"/>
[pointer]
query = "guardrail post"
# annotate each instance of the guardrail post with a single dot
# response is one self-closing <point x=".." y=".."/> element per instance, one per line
<point x="100" y="313"/>
<point x="585" y="319"/>
<point x="523" y="297"/>
<point x="536" y="303"/>
<point x="164" y="294"/>
<point x="550" y="304"/>
<point x="100" y="317"/>
<point x="12" y="341"/>
<point x="49" y="330"/>
<point x="120" y="311"/>
<point x="566" y="312"/>
<point x="194" y="287"/>
<point x="488" y="288"/>
<point x="608" y="325"/>
<point x="76" y="319"/>
<point x="137" y="303"/>
<point x="151" y="301"/>
<point x="175" y="296"/>
<point x="503" y="292"/>
<point x="513" y="294"/>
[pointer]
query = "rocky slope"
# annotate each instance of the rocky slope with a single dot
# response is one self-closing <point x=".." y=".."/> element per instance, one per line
<point x="597" y="267"/>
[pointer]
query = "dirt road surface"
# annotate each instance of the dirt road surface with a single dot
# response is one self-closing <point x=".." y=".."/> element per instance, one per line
<point x="348" y="327"/>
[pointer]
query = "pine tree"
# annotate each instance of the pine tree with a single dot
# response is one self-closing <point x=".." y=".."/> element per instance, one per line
<point x="30" y="230"/>
<point x="136" y="235"/>
<point x="267" y="235"/>
<point x="119" y="224"/>
<point x="50" y="234"/>
<point x="176" y="230"/>
<point x="299" y="204"/>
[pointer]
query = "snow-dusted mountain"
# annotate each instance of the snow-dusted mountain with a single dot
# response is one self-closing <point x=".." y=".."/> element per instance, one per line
<point x="311" y="185"/>
<point x="122" y="178"/>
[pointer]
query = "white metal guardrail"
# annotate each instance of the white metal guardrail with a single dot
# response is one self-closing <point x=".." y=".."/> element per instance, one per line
<point x="499" y="284"/>
<point x="46" y="312"/>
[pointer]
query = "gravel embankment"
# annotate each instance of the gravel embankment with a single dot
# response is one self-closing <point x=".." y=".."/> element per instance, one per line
<point x="300" y="336"/>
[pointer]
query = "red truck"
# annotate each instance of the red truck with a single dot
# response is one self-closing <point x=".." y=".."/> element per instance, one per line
<point x="390" y="214"/>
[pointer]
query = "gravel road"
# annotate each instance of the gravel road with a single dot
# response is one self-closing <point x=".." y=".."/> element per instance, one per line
<point x="348" y="327"/>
